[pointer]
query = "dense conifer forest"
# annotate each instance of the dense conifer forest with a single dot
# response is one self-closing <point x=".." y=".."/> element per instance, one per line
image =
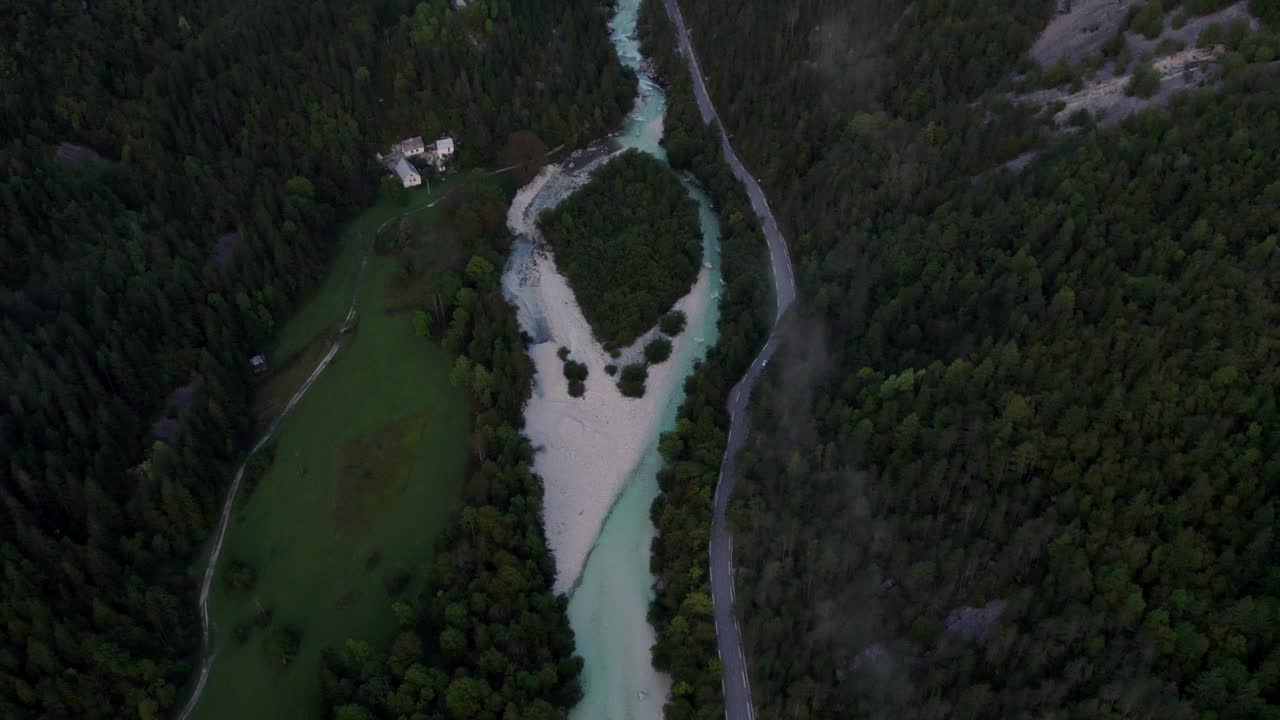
<point x="1018" y="454"/>
<point x="628" y="243"/>
<point x="216" y="147"/>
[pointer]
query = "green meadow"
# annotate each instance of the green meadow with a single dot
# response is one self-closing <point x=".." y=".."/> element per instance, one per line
<point x="367" y="470"/>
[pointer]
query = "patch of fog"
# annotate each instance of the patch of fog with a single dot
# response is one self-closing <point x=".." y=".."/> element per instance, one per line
<point x="175" y="409"/>
<point x="875" y="658"/>
<point x="72" y="154"/>
<point x="225" y="247"/>
<point x="973" y="623"/>
<point x="845" y="52"/>
<point x="1017" y="164"/>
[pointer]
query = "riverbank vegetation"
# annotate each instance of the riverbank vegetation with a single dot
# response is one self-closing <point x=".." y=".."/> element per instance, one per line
<point x="682" y="610"/>
<point x="1037" y="410"/>
<point x="485" y="637"/>
<point x="217" y="147"/>
<point x="672" y="324"/>
<point x="629" y="245"/>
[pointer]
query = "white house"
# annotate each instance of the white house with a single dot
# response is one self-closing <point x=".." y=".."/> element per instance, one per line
<point x="408" y="176"/>
<point x="444" y="148"/>
<point x="412" y="146"/>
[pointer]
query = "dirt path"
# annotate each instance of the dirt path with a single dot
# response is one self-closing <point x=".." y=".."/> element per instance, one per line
<point x="206" y="648"/>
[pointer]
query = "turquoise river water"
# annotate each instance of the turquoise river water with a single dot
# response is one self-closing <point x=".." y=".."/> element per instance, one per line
<point x="609" y="603"/>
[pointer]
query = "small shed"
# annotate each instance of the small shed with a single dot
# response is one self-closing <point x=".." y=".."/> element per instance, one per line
<point x="258" y="363"/>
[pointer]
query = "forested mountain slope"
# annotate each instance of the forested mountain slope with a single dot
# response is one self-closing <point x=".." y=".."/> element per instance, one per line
<point x="235" y="136"/>
<point x="1018" y="455"/>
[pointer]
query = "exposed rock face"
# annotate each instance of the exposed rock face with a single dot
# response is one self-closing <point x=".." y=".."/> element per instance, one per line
<point x="1105" y="96"/>
<point x="224" y="247"/>
<point x="72" y="154"/>
<point x="1080" y="29"/>
<point x="973" y="623"/>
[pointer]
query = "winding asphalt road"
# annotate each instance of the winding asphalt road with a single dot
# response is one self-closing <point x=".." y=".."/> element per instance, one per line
<point x="735" y="679"/>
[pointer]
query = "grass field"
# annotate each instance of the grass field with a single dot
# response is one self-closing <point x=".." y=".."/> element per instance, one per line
<point x="367" y="471"/>
<point x="326" y="307"/>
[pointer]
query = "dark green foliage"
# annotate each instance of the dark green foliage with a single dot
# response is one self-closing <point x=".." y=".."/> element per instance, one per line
<point x="486" y="637"/>
<point x="628" y="243"/>
<point x="631" y="380"/>
<point x="239" y="576"/>
<point x="574" y="370"/>
<point x="236" y="135"/>
<point x="611" y="369"/>
<point x="686" y="645"/>
<point x="1060" y="74"/>
<point x="1149" y="21"/>
<point x="1055" y="389"/>
<point x="255" y="468"/>
<point x="672" y="324"/>
<point x="657" y="351"/>
<point x="1080" y="118"/>
<point x="1268" y="11"/>
<point x="241" y="633"/>
<point x="283" y="643"/>
<point x="1145" y="81"/>
<point x="563" y="353"/>
<point x="576" y="374"/>
<point x="397" y="582"/>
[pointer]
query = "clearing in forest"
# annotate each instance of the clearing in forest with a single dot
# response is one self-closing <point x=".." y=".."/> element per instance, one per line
<point x="368" y="468"/>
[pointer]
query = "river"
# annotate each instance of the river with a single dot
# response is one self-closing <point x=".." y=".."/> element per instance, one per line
<point x="610" y="598"/>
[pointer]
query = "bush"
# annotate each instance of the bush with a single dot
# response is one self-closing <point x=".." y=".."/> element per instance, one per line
<point x="1169" y="46"/>
<point x="563" y="353"/>
<point x="255" y="468"/>
<point x="240" y="576"/>
<point x="241" y="632"/>
<point x="284" y="643"/>
<point x="1144" y="83"/>
<point x="1150" y="20"/>
<point x="577" y="388"/>
<point x="397" y="582"/>
<point x="1079" y="117"/>
<point x="611" y="369"/>
<point x="1114" y="44"/>
<point x="631" y="384"/>
<point x="575" y="370"/>
<point x="657" y="351"/>
<point x="1060" y="74"/>
<point x="673" y="323"/>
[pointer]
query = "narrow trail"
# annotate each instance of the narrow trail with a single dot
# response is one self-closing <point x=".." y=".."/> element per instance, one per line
<point x="206" y="648"/>
<point x="735" y="680"/>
